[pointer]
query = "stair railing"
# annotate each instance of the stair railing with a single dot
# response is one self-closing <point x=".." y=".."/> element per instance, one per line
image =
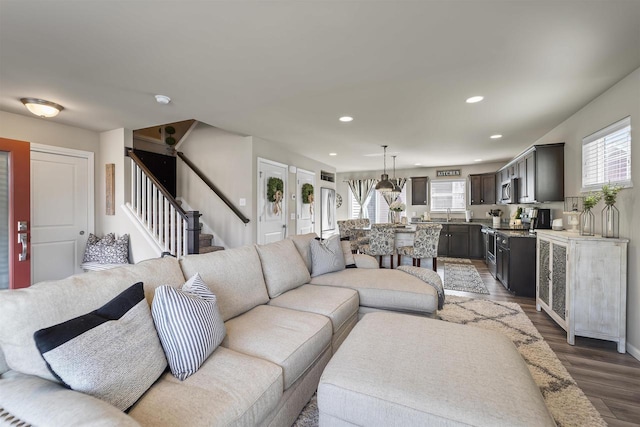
<point x="174" y="230"/>
<point x="213" y="187"/>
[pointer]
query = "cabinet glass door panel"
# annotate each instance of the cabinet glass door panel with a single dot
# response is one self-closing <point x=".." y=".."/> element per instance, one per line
<point x="559" y="280"/>
<point x="544" y="272"/>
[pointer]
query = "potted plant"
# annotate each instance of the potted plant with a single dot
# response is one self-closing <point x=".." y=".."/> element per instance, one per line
<point x="587" y="219"/>
<point x="495" y="214"/>
<point x="610" y="214"/>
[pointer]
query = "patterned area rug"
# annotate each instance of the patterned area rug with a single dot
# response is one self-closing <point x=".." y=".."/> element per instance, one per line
<point x="454" y="260"/>
<point x="463" y="277"/>
<point x="567" y="403"/>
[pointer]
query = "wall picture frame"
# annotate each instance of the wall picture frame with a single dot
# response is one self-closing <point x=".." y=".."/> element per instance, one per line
<point x="327" y="209"/>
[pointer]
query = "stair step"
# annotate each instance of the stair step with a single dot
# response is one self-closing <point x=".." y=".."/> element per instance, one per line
<point x="206" y="236"/>
<point x="207" y="249"/>
<point x="205" y="239"/>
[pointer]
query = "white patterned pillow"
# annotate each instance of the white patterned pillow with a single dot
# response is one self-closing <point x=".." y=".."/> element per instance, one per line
<point x="189" y="325"/>
<point x="107" y="250"/>
<point x="326" y="256"/>
<point x="112" y="353"/>
<point x="349" y="259"/>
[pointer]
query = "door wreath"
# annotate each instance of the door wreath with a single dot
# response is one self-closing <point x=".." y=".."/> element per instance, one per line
<point x="275" y="192"/>
<point x="307" y="196"/>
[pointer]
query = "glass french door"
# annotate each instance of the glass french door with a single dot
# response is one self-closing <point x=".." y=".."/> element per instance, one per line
<point x="15" y="259"/>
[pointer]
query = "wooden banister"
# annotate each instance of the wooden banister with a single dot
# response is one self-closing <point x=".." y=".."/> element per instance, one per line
<point x="212" y="186"/>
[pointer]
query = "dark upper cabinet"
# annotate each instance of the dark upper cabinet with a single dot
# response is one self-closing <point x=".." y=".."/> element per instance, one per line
<point x="419" y="190"/>
<point x="541" y="174"/>
<point x="483" y="189"/>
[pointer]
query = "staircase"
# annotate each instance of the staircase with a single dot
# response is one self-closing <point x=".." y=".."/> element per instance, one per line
<point x="166" y="223"/>
<point x="206" y="244"/>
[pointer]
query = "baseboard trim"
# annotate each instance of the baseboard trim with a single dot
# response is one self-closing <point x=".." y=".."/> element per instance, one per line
<point x="633" y="351"/>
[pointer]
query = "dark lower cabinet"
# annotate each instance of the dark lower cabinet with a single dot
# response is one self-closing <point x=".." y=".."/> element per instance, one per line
<point x="516" y="264"/>
<point x="461" y="241"/>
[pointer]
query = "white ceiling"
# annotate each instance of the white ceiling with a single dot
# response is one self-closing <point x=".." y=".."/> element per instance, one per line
<point x="286" y="70"/>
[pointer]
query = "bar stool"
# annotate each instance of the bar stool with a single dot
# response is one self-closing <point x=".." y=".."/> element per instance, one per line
<point x="425" y="245"/>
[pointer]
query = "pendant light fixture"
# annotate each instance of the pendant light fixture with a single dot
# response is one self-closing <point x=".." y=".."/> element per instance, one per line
<point x="384" y="185"/>
<point x="394" y="181"/>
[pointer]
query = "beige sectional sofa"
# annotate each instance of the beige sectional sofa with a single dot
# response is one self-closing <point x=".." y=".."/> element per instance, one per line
<point x="282" y="327"/>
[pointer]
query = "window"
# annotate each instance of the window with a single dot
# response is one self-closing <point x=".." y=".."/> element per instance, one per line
<point x="606" y="156"/>
<point x="377" y="208"/>
<point x="448" y="194"/>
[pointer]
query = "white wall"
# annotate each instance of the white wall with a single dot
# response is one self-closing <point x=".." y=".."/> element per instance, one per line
<point x="479" y="211"/>
<point x="112" y="146"/>
<point x="621" y="100"/>
<point x="224" y="158"/>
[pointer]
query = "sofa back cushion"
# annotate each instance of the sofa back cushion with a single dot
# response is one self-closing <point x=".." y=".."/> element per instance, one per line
<point x="282" y="266"/>
<point x="24" y="311"/>
<point x="233" y="275"/>
<point x="302" y="243"/>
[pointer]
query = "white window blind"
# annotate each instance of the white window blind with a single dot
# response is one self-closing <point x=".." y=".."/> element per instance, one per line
<point x="448" y="194"/>
<point x="606" y="156"/>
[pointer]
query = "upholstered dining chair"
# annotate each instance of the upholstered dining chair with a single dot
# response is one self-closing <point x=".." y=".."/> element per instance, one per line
<point x="382" y="241"/>
<point x="425" y="245"/>
<point x="349" y="228"/>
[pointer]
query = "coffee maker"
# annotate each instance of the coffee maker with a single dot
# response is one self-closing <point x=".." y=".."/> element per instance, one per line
<point x="537" y="218"/>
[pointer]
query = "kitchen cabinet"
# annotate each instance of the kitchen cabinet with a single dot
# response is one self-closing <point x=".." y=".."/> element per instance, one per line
<point x="582" y="284"/>
<point x="461" y="241"/>
<point x="515" y="263"/>
<point x="419" y="190"/>
<point x="483" y="189"/>
<point x="541" y="173"/>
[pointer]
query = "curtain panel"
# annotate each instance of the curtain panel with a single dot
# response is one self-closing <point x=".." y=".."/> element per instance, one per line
<point x="362" y="190"/>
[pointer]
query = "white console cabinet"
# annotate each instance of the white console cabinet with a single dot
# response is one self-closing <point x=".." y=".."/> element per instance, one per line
<point x="582" y="284"/>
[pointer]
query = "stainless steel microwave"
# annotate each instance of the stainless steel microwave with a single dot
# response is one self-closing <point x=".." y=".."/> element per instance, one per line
<point x="509" y="191"/>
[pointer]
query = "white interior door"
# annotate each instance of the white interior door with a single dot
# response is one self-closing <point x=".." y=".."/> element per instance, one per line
<point x="305" y="212"/>
<point x="60" y="196"/>
<point x="272" y="216"/>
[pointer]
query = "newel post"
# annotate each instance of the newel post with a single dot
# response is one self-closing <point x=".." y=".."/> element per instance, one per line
<point x="193" y="232"/>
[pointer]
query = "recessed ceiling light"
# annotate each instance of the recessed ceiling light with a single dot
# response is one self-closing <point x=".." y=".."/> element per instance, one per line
<point x="346" y="119"/>
<point x="417" y="164"/>
<point x="496" y="136"/>
<point x="477" y="160"/>
<point x="333" y="154"/>
<point x="163" y="99"/>
<point x="474" y="99"/>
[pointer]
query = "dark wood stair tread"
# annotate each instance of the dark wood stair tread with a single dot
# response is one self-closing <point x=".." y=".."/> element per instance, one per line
<point x="207" y="249"/>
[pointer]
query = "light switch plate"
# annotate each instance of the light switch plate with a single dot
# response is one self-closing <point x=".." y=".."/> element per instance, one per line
<point x="293" y="216"/>
<point x="243" y="202"/>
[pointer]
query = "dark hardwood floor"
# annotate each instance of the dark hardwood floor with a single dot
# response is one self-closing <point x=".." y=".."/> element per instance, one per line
<point x="609" y="379"/>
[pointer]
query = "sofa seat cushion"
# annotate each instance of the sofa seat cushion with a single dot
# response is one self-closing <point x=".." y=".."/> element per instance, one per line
<point x="338" y="304"/>
<point x="39" y="402"/>
<point x="230" y="388"/>
<point x="233" y="275"/>
<point x="289" y="338"/>
<point x="395" y="369"/>
<point x="384" y="289"/>
<point x="24" y="311"/>
<point x="282" y="266"/>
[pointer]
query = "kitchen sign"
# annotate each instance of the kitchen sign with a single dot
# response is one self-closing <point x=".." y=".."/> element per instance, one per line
<point x="448" y="172"/>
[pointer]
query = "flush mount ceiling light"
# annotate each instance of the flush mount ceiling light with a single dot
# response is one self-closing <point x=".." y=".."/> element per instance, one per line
<point x="477" y="160"/>
<point x="384" y="185"/>
<point x="163" y="99"/>
<point x="497" y="136"/>
<point x="333" y="154"/>
<point x="474" y="99"/>
<point x="346" y="119"/>
<point x="42" y="108"/>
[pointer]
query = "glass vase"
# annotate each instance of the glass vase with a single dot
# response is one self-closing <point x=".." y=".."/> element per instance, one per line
<point x="610" y="221"/>
<point x="587" y="223"/>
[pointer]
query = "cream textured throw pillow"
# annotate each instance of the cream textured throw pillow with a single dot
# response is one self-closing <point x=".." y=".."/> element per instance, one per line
<point x="326" y="256"/>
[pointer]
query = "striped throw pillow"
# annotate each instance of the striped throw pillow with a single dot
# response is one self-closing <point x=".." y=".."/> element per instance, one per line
<point x="189" y="325"/>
